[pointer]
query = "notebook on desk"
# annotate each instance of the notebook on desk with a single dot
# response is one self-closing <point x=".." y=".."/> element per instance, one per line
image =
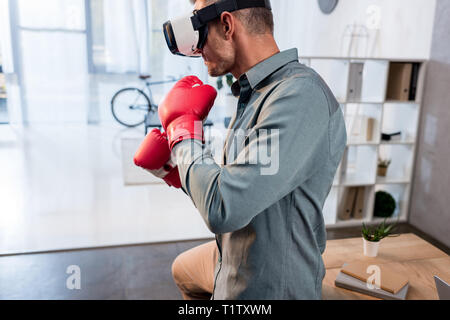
<point x="393" y="286"/>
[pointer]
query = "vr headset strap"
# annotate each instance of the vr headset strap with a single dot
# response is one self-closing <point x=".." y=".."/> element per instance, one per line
<point x="212" y="12"/>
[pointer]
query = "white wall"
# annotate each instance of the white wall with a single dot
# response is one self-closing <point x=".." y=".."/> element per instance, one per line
<point x="405" y="27"/>
<point x="429" y="199"/>
<point x="5" y="38"/>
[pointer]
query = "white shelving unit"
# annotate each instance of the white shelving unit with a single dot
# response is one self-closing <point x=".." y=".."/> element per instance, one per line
<point x="361" y="87"/>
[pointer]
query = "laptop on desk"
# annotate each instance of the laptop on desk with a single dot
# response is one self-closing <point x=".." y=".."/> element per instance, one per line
<point x="443" y="288"/>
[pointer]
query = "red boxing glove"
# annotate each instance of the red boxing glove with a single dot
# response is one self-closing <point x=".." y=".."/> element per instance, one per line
<point x="154" y="156"/>
<point x="185" y="108"/>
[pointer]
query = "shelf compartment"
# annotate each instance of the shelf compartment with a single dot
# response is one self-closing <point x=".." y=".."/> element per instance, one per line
<point x="367" y="81"/>
<point x="403" y="81"/>
<point x="374" y="80"/>
<point x="363" y="123"/>
<point x="402" y="117"/>
<point x="400" y="193"/>
<point x="359" y="165"/>
<point x="335" y="74"/>
<point x="355" y="203"/>
<point x="400" y="169"/>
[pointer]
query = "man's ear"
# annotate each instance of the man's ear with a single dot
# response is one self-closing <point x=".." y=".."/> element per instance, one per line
<point x="227" y="25"/>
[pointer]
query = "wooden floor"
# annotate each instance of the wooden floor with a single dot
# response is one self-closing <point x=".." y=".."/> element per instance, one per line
<point x="127" y="272"/>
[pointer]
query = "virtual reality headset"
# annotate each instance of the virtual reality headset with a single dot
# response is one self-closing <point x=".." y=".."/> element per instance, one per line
<point x="187" y="34"/>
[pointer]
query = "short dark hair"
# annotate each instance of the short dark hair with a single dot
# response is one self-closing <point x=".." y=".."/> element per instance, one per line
<point x="256" y="20"/>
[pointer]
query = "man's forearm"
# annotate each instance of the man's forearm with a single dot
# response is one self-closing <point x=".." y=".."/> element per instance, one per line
<point x="190" y="156"/>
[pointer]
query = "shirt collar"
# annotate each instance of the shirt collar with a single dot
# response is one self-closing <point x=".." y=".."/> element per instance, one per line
<point x="265" y="68"/>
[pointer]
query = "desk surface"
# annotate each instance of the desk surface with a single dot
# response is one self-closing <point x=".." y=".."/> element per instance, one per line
<point x="407" y="254"/>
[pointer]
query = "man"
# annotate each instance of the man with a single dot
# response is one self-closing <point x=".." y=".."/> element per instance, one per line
<point x="270" y="232"/>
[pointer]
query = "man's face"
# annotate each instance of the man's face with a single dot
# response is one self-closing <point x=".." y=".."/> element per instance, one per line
<point x="218" y="54"/>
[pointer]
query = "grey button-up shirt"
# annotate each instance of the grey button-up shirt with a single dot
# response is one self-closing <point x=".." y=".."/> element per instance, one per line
<point x="265" y="202"/>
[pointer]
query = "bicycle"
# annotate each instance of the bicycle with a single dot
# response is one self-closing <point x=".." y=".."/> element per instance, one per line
<point x="131" y="107"/>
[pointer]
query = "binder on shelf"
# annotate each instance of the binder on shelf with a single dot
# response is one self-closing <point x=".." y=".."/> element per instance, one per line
<point x="358" y="210"/>
<point x="355" y="82"/>
<point x="414" y="81"/>
<point x="347" y="204"/>
<point x="399" y="81"/>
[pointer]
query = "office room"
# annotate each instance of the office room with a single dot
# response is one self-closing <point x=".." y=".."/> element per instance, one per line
<point x="224" y="150"/>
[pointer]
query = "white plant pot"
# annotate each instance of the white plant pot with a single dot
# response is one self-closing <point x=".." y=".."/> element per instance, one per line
<point x="371" y="248"/>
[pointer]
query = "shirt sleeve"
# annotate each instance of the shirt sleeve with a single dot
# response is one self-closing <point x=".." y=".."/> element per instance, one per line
<point x="293" y="125"/>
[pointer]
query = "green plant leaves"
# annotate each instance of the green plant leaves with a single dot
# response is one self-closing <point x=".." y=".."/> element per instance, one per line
<point x="384" y="205"/>
<point x="219" y="83"/>
<point x="379" y="232"/>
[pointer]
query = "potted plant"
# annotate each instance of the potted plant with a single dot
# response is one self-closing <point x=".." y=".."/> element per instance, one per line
<point x="383" y="166"/>
<point x="385" y="205"/>
<point x="229" y="79"/>
<point x="373" y="235"/>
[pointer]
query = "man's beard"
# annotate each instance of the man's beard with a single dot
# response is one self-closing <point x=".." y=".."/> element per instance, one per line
<point x="218" y="70"/>
<point x="222" y="67"/>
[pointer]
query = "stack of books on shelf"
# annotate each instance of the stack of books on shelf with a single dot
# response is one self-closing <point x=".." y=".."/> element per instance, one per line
<point x="375" y="280"/>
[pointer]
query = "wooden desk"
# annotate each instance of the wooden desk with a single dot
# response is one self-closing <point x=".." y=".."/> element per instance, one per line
<point x="407" y="254"/>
